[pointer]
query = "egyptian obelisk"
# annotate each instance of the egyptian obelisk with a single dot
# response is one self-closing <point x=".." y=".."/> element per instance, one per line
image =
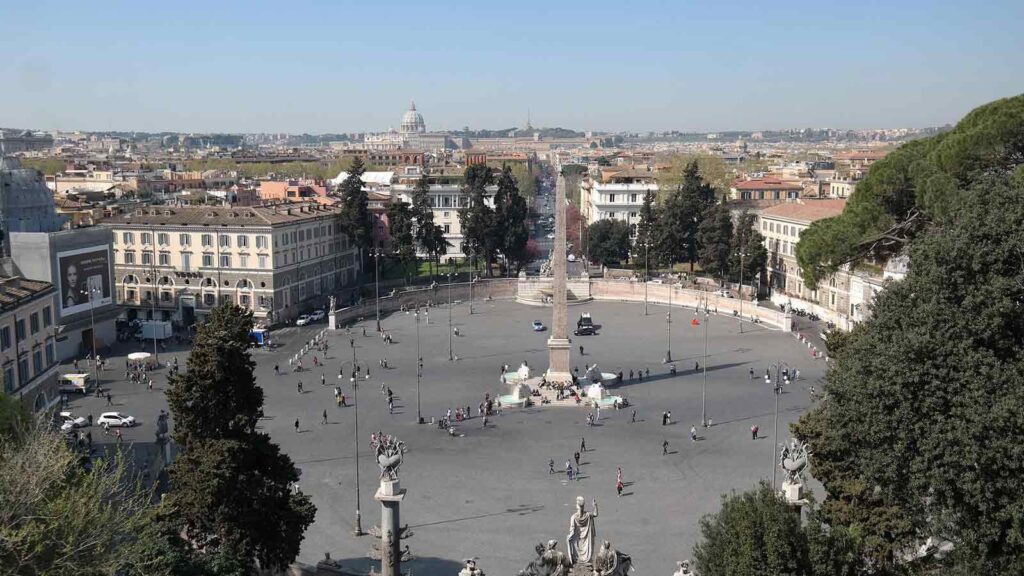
<point x="558" y="343"/>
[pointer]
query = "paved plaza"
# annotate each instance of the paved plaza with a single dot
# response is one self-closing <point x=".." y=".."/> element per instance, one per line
<point x="488" y="493"/>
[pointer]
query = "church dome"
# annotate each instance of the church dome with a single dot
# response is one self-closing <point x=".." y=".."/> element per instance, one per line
<point x="412" y="121"/>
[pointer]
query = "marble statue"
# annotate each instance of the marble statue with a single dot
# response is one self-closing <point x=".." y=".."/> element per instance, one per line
<point x="582" y="533"/>
<point x="334" y="304"/>
<point x="793" y="458"/>
<point x="470" y="569"/>
<point x="683" y="569"/>
<point x="611" y="562"/>
<point x="594" y="374"/>
<point x="550" y="561"/>
<point x="388" y="452"/>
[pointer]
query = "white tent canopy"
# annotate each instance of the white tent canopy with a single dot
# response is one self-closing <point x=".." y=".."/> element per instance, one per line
<point x="370" y="179"/>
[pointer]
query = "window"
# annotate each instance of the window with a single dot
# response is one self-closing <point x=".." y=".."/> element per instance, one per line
<point x="186" y="262"/>
<point x="50" y="355"/>
<point x="263" y="261"/>
<point x="833" y="298"/>
<point x="447" y="228"/>
<point x="611" y="214"/>
<point x="37" y="360"/>
<point x="163" y="238"/>
<point x="23" y="370"/>
<point x="208" y="260"/>
<point x="47" y="317"/>
<point x="147" y="258"/>
<point x="261" y="242"/>
<point x="128" y="237"/>
<point x="225" y="260"/>
<point x="165" y="296"/>
<point x="225" y="241"/>
<point x="5" y="338"/>
<point x="243" y="261"/>
<point x="184" y="239"/>
<point x="165" y="258"/>
<point x="19" y="329"/>
<point x="208" y="299"/>
<point x="244" y="300"/>
<point x="611" y="198"/>
<point x="9" y="383"/>
<point x="129" y="257"/>
<point x="146" y="237"/>
<point x="33" y="322"/>
<point x="243" y="241"/>
<point x="207" y="239"/>
<point x="130" y="295"/>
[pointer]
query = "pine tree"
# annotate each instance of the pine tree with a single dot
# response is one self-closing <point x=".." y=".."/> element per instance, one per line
<point x="403" y="242"/>
<point x="232" y="488"/>
<point x="644" y="239"/>
<point x="355" y="214"/>
<point x="679" y="218"/>
<point x="477" y="220"/>
<point x="715" y="236"/>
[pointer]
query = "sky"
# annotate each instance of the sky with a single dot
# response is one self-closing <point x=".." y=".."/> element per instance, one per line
<point x="630" y="65"/>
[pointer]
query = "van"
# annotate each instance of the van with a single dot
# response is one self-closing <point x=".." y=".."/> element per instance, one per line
<point x="69" y="383"/>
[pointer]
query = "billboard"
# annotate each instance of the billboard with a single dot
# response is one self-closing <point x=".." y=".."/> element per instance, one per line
<point x="83" y="272"/>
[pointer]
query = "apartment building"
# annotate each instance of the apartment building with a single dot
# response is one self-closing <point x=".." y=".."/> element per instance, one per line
<point x="28" y="333"/>
<point x="446" y="198"/>
<point x="767" y="188"/>
<point x="617" y="196"/>
<point x="175" y="263"/>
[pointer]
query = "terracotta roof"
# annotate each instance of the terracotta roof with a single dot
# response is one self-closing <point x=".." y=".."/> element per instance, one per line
<point x="223" y="216"/>
<point x="767" y="184"/>
<point x="16" y="290"/>
<point x="806" y="211"/>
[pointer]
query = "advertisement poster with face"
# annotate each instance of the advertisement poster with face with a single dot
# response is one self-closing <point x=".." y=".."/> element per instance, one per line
<point x="84" y="274"/>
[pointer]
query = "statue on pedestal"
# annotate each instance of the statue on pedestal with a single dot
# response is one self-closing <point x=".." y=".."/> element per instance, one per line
<point x="549" y="561"/>
<point x="611" y="562"/>
<point x="388" y="452"/>
<point x="470" y="569"/>
<point x="683" y="569"/>
<point x="793" y="458"/>
<point x="334" y="304"/>
<point x="582" y="533"/>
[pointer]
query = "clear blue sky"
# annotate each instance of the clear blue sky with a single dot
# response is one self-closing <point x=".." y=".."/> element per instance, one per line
<point x="335" y="66"/>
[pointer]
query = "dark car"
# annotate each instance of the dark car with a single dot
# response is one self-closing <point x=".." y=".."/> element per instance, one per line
<point x="585" y="325"/>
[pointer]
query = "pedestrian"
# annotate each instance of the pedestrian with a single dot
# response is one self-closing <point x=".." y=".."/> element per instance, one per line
<point x="640" y="375"/>
<point x="299" y="387"/>
<point x="576" y="474"/>
<point x="324" y="420"/>
<point x="149" y="384"/>
<point x="751" y="373"/>
<point x="583" y="444"/>
<point x="696" y="366"/>
<point x="90" y="419"/>
<point x="323" y="379"/>
<point x="364" y="332"/>
<point x="630" y="375"/>
<point x="110" y="399"/>
<point x="647" y="373"/>
<point x="633" y="417"/>
<point x="597" y="413"/>
<point x="581" y="350"/>
<point x="576" y="456"/>
<point x="551" y="466"/>
<point x="753" y="432"/>
<point x="391" y="407"/>
<point x="664" y="447"/>
<point x="568" y="469"/>
<point x="618" y="487"/>
<point x="709" y="424"/>
<point x="117" y="435"/>
<point x="693" y="433"/>
<point x="664" y="418"/>
<point x="296" y="424"/>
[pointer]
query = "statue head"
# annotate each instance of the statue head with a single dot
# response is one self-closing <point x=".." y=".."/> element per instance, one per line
<point x="606" y="546"/>
<point x="580" y="503"/>
<point x="552" y="544"/>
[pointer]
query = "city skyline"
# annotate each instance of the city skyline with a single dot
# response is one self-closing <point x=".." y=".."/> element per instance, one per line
<point x="237" y="68"/>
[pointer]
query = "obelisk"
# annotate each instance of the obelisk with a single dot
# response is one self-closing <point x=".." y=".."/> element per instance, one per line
<point x="558" y="343"/>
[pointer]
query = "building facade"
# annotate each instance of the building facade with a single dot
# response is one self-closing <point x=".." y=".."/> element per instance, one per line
<point x="26" y="204"/>
<point x="447" y="197"/>
<point x="176" y="263"/>
<point x="619" y="197"/>
<point x="28" y="334"/>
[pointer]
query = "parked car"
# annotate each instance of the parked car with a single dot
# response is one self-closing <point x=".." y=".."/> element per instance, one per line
<point x="551" y="236"/>
<point x="538" y="326"/>
<point x="725" y="293"/>
<point x="317" y="315"/>
<point x="303" y="320"/>
<point x="70" y="422"/>
<point x="115" y="419"/>
<point x="585" y="325"/>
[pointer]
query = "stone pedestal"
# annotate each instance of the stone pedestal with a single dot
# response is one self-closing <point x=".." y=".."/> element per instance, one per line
<point x="793" y="492"/>
<point x="390" y="494"/>
<point x="332" y="321"/>
<point x="558" y="361"/>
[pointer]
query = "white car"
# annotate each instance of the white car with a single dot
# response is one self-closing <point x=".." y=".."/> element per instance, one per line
<point x="725" y="293"/>
<point x="69" y="422"/>
<point x="317" y="315"/>
<point x="572" y="257"/>
<point x="115" y="419"/>
<point x="538" y="326"/>
<point x="551" y="236"/>
<point x="303" y="320"/>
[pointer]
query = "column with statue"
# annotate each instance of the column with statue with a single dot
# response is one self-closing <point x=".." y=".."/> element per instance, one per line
<point x="388" y="452"/>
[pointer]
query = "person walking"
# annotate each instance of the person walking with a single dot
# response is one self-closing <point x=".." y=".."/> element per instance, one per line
<point x="391" y="406"/>
<point x="323" y="379"/>
<point x="296" y="424"/>
<point x="618" y="487"/>
<point x="751" y="373"/>
<point x="581" y="350"/>
<point x="551" y="466"/>
<point x="298" y="387"/>
<point x="568" y="470"/>
<point x="664" y="418"/>
<point x="664" y="447"/>
<point x="630" y="375"/>
<point x="110" y="399"/>
<point x="668" y="417"/>
<point x="632" y="419"/>
<point x="753" y="432"/>
<point x="323" y="422"/>
<point x="583" y="444"/>
<point x="576" y="456"/>
<point x="118" y="436"/>
<point x="693" y="433"/>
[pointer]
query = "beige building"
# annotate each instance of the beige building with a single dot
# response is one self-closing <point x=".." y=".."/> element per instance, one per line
<point x="618" y="196"/>
<point x="175" y="263"/>
<point x="28" y="331"/>
<point x="446" y="199"/>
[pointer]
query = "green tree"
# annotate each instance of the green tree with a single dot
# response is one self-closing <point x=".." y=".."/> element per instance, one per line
<point x="748" y="250"/>
<point x="403" y="241"/>
<point x="526" y="180"/>
<point x="608" y="241"/>
<point x="715" y="237"/>
<point x="644" y="239"/>
<point x="355" y="215"/>
<point x="514" y="228"/>
<point x="477" y="219"/>
<point x="754" y="533"/>
<point x="13" y="416"/>
<point x="57" y="517"/>
<point x="679" y="217"/>
<point x="232" y="490"/>
<point x="429" y="236"/>
<point x="920" y="434"/>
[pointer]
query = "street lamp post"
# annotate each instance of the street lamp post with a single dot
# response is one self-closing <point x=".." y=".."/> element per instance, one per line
<point x="451" y="356"/>
<point x="376" y="282"/>
<point x="92" y="320"/>
<point x="472" y="272"/>
<point x="780" y="380"/>
<point x="647" y="275"/>
<point x="355" y="438"/>
<point x="704" y="386"/>
<point x="742" y="256"/>
<point x="668" y="324"/>
<point x="419" y="367"/>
